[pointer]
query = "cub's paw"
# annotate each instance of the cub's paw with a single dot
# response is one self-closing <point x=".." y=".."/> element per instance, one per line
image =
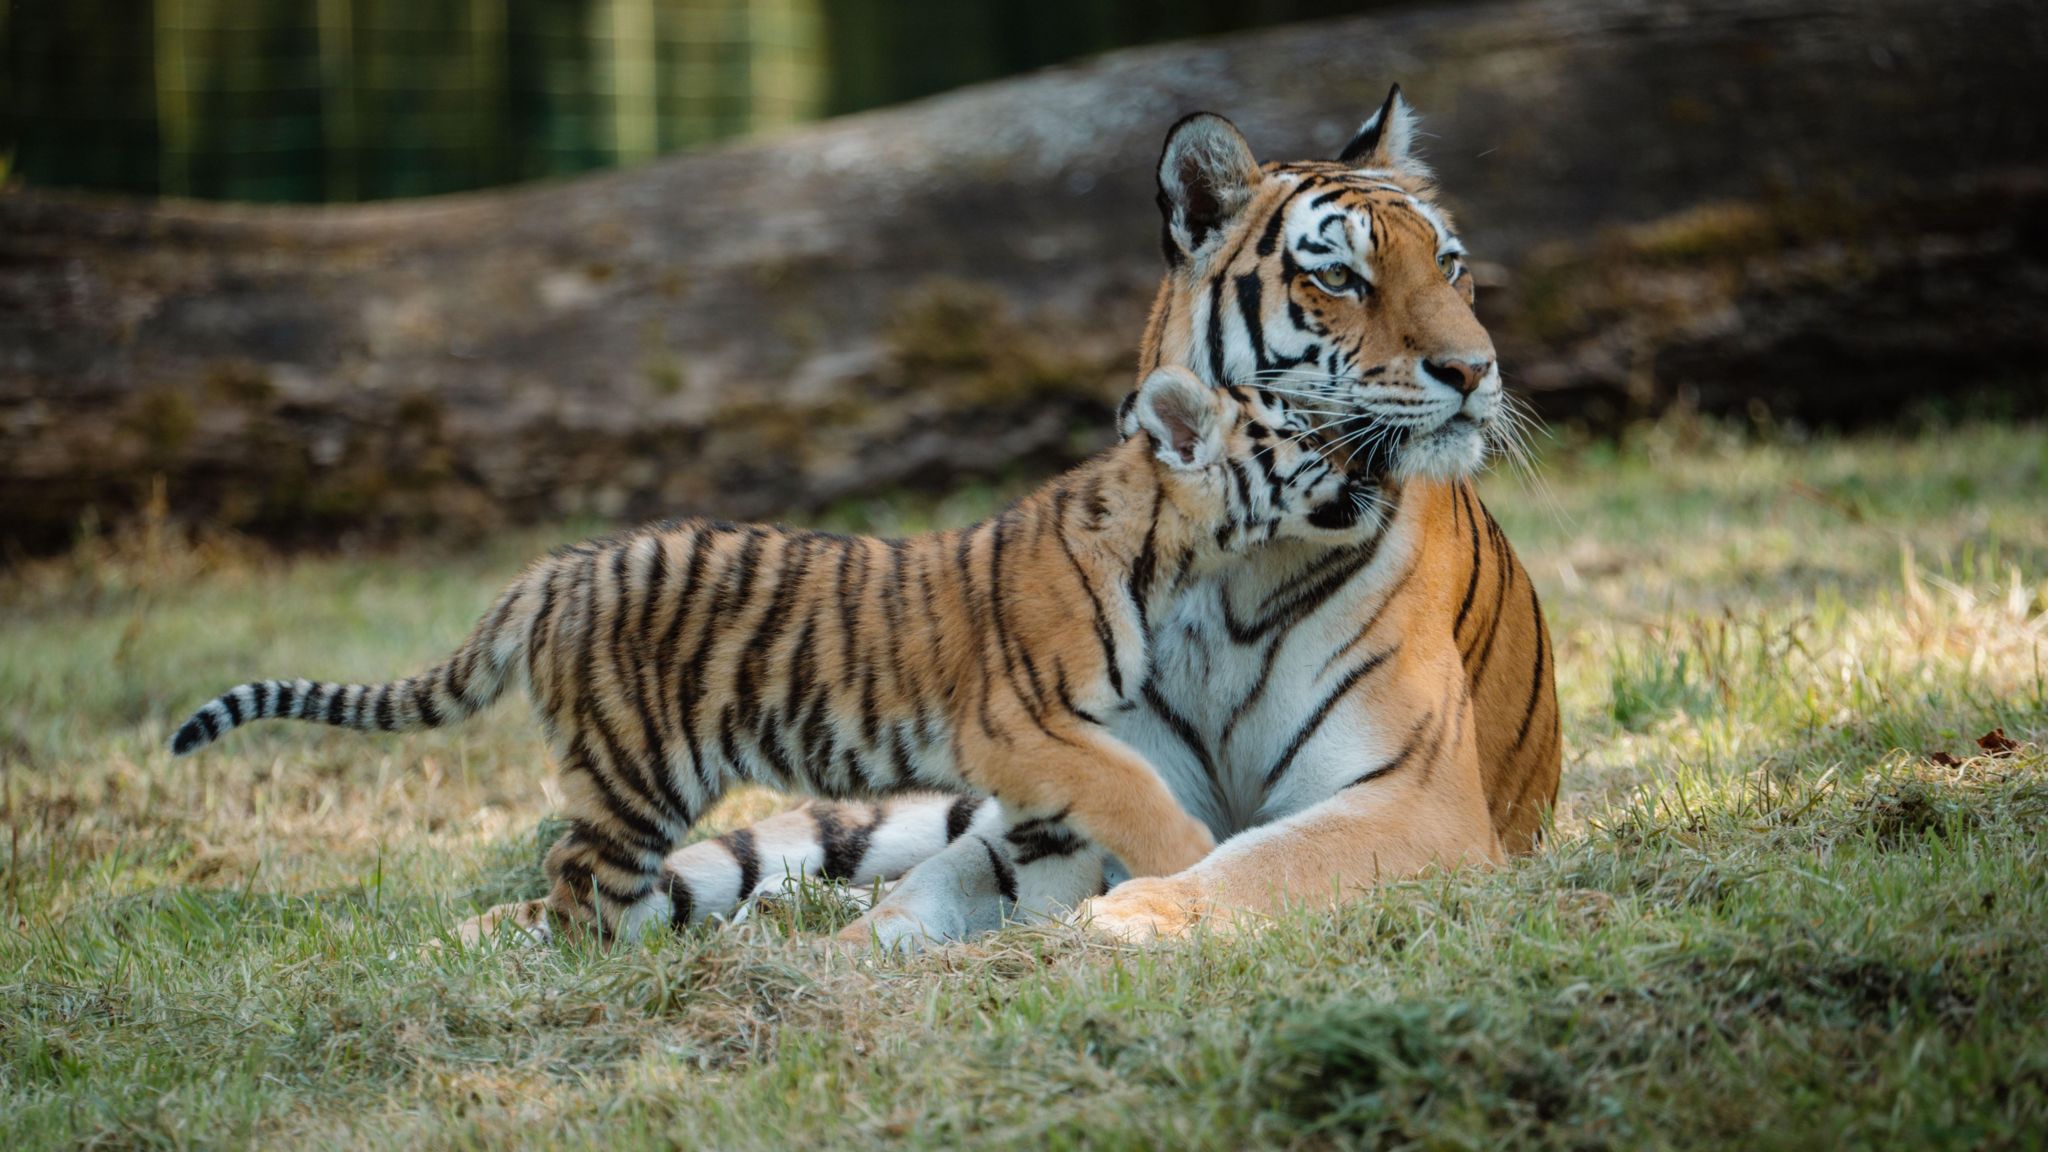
<point x="1147" y="908"/>
<point x="524" y="922"/>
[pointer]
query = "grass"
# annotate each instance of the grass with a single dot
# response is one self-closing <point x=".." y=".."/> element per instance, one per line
<point x="1767" y="918"/>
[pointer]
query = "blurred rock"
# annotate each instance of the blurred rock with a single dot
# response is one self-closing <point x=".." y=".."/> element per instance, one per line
<point x="1827" y="210"/>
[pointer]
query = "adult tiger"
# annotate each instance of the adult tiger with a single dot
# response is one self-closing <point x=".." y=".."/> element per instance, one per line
<point x="1336" y="715"/>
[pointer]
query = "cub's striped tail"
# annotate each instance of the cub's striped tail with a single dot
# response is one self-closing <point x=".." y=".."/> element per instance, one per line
<point x="466" y="683"/>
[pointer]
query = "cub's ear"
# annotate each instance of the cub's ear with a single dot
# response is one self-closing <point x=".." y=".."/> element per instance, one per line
<point x="1183" y="416"/>
<point x="1387" y="139"/>
<point x="1127" y="416"/>
<point x="1206" y="176"/>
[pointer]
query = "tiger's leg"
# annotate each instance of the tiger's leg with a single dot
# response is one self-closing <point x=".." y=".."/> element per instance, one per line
<point x="855" y="843"/>
<point x="1007" y="867"/>
<point x="1097" y="784"/>
<point x="852" y="843"/>
<point x="605" y="873"/>
<point x="1418" y="806"/>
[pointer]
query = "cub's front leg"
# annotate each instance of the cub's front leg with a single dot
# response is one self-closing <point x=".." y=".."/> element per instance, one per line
<point x="1008" y="867"/>
<point x="1076" y="772"/>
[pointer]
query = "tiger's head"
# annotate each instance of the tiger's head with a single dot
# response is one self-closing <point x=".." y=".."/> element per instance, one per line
<point x="1339" y="284"/>
<point x="1240" y="466"/>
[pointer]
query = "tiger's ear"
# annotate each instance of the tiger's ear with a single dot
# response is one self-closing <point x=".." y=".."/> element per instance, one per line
<point x="1183" y="416"/>
<point x="1387" y="138"/>
<point x="1206" y="177"/>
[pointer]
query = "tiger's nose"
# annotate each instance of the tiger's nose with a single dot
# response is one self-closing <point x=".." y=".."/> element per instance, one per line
<point x="1464" y="375"/>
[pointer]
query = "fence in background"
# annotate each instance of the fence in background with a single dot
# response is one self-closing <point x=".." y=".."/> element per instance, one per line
<point x="366" y="99"/>
<point x="358" y="99"/>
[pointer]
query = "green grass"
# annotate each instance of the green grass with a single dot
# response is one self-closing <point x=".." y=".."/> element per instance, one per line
<point x="1766" y="918"/>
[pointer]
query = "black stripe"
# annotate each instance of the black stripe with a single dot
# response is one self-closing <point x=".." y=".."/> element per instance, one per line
<point x="768" y="738"/>
<point x="1103" y="634"/>
<point x="648" y="834"/>
<point x="1006" y="876"/>
<point x="1066" y="696"/>
<point x="729" y="745"/>
<point x="623" y="897"/>
<point x="1141" y="568"/>
<point x="681" y="692"/>
<point x="1258" y="690"/>
<point x="1248" y="292"/>
<point x="998" y="530"/>
<point x="899" y="755"/>
<point x="845" y="844"/>
<point x="1536" y="682"/>
<point x="960" y="815"/>
<point x="1401" y="757"/>
<point x="649" y="778"/>
<point x="1461" y="496"/>
<point x="731" y="590"/>
<point x="1327" y="576"/>
<point x="287" y="695"/>
<point x="1270" y="238"/>
<point x="741" y="844"/>
<point x="641" y="678"/>
<point x="205" y="720"/>
<point x="1216" y="372"/>
<point x="430" y="712"/>
<point x="1043" y="837"/>
<point x="693" y="572"/>
<point x="537" y="632"/>
<point x="1322" y="711"/>
<point x="1372" y="621"/>
<point x="681" y="904"/>
<point x="621" y="599"/>
<point x="1475" y="665"/>
<point x="233" y="708"/>
<point x="611" y="853"/>
<point x="387" y="710"/>
<point x="797" y="672"/>
<point x="582" y="613"/>
<point x="337" y="709"/>
<point x="1183" y="728"/>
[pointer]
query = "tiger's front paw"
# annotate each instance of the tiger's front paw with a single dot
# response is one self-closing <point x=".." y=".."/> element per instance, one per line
<point x="1147" y="908"/>
<point x="888" y="929"/>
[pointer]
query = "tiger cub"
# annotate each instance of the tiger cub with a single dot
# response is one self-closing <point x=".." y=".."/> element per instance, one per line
<point x="670" y="663"/>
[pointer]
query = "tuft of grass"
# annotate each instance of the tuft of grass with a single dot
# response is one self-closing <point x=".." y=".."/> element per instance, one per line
<point x="1787" y="902"/>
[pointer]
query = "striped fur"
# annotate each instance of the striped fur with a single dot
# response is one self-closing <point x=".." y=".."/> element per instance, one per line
<point x="670" y="663"/>
<point x="1339" y="713"/>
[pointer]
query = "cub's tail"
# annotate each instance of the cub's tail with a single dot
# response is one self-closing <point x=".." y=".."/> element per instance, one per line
<point x="466" y="683"/>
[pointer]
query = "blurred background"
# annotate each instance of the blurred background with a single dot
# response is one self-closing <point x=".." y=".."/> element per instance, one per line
<point x="339" y="100"/>
<point x="310" y="270"/>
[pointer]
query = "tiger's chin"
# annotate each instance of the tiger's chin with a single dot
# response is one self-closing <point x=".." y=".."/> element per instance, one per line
<point x="1455" y="449"/>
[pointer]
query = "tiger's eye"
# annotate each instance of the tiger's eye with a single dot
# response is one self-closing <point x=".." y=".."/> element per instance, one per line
<point x="1448" y="265"/>
<point x="1335" y="278"/>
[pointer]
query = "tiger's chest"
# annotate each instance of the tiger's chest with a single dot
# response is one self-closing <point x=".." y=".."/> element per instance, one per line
<point x="1253" y="709"/>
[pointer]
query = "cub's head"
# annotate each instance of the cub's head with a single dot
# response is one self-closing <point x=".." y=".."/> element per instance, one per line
<point x="1242" y="467"/>
<point x="1338" y="284"/>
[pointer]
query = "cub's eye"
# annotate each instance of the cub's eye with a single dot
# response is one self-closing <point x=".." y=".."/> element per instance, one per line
<point x="1336" y="279"/>
<point x="1448" y="265"/>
